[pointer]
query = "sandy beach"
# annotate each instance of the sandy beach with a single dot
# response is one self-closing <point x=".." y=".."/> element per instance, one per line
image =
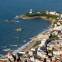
<point x="31" y="43"/>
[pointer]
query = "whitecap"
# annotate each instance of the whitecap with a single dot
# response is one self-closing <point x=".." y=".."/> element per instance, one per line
<point x="7" y="49"/>
<point x="14" y="45"/>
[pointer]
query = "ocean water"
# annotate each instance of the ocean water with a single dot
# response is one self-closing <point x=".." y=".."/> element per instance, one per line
<point x="10" y="39"/>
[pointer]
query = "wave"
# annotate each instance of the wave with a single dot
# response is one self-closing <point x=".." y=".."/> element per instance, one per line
<point x="14" y="45"/>
<point x="7" y="49"/>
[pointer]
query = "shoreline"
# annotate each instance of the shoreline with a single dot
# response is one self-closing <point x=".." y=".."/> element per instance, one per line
<point x="27" y="46"/>
<point x="23" y="17"/>
<point x="51" y="16"/>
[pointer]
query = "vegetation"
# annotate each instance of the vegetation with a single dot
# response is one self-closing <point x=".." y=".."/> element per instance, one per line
<point x="52" y="16"/>
<point x="53" y="37"/>
<point x="43" y="13"/>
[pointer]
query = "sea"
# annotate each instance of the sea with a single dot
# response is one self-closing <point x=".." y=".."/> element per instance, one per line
<point x="10" y="38"/>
